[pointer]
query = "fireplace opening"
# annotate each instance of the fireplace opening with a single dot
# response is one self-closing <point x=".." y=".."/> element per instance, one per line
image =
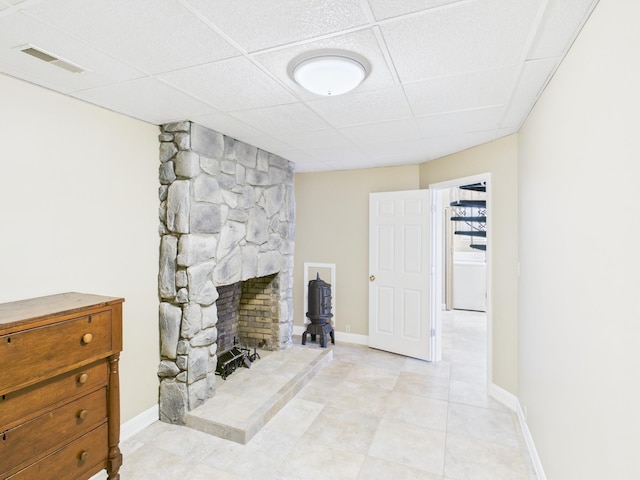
<point x="247" y="320"/>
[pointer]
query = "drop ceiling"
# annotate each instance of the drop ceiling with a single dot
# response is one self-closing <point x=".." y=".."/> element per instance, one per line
<point x="445" y="75"/>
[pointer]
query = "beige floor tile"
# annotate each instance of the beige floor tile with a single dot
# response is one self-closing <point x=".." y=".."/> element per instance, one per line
<point x="378" y="469"/>
<point x="309" y="460"/>
<point x="482" y="423"/>
<point x="384" y="379"/>
<point x="343" y="429"/>
<point x="411" y="445"/>
<point x="417" y="410"/>
<point x="468" y="458"/>
<point x="418" y="384"/>
<point x="264" y="454"/>
<point x="365" y="399"/>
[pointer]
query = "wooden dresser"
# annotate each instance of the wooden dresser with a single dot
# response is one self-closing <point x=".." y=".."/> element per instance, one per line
<point x="59" y="393"/>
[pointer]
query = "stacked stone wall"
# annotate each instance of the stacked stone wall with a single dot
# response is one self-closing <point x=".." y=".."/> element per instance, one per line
<point x="227" y="214"/>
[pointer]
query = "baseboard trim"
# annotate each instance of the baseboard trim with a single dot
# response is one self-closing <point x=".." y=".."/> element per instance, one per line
<point x="355" y="338"/>
<point x="511" y="401"/>
<point x="503" y="396"/>
<point x="139" y="423"/>
<point x="528" y="439"/>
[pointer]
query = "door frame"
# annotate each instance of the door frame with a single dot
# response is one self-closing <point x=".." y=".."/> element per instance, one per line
<point x="437" y="252"/>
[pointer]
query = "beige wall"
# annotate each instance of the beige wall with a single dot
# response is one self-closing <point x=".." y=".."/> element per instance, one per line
<point x="499" y="158"/>
<point x="579" y="283"/>
<point x="332" y="226"/>
<point x="78" y="212"/>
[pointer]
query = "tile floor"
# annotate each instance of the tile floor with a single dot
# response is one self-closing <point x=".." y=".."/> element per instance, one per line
<point x="367" y="415"/>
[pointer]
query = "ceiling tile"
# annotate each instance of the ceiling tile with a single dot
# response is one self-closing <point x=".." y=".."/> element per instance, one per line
<point x="268" y="23"/>
<point x="460" y="123"/>
<point x="305" y="164"/>
<point x="532" y="79"/>
<point x="3" y="5"/>
<point x="146" y="99"/>
<point x="169" y="38"/>
<point x="363" y="43"/>
<point x="315" y="139"/>
<point x="443" y="146"/>
<point x="292" y="117"/>
<point x="338" y="155"/>
<point x="560" y="24"/>
<point x="230" y="85"/>
<point x="386" y="153"/>
<point x="19" y="30"/>
<point x="385" y="9"/>
<point x="464" y="37"/>
<point x="358" y="108"/>
<point x="461" y="92"/>
<point x="383" y="132"/>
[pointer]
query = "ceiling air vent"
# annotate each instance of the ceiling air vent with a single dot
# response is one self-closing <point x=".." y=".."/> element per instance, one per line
<point x="53" y="60"/>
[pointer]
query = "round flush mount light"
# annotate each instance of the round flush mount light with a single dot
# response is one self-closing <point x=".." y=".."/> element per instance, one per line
<point x="329" y="74"/>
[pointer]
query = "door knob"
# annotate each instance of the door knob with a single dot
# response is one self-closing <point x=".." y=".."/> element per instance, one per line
<point x="372" y="278"/>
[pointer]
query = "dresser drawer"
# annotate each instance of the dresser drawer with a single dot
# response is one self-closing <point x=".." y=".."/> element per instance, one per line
<point x="51" y="429"/>
<point x="86" y="455"/>
<point x="33" y="355"/>
<point x="21" y="405"/>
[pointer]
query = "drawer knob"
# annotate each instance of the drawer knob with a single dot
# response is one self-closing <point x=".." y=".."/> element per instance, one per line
<point x="82" y="379"/>
<point x="82" y="456"/>
<point x="86" y="338"/>
<point x="82" y="414"/>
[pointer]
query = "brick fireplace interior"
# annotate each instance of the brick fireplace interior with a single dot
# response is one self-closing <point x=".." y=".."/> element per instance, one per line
<point x="248" y="314"/>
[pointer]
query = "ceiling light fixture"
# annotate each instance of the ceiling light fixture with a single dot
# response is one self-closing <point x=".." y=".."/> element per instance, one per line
<point x="329" y="74"/>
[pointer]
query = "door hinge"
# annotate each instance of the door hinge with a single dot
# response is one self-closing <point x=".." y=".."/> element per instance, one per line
<point x="433" y="332"/>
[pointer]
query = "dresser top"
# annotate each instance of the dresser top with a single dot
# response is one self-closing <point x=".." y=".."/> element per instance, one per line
<point x="41" y="308"/>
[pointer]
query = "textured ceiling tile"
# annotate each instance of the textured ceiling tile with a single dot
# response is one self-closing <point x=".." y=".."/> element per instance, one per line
<point x="532" y="79"/>
<point x="339" y="155"/>
<point x="315" y="139"/>
<point x="560" y="25"/>
<point x="386" y="9"/>
<point x="257" y="25"/>
<point x="461" y="92"/>
<point x="146" y="99"/>
<point x="292" y="117"/>
<point x="412" y="150"/>
<point x="19" y="30"/>
<point x="363" y="42"/>
<point x="396" y="130"/>
<point x="155" y="36"/>
<point x="442" y="146"/>
<point x="459" y="123"/>
<point x="230" y="85"/>
<point x="358" y="108"/>
<point x="463" y="37"/>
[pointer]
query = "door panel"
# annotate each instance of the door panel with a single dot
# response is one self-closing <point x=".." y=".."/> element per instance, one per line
<point x="399" y="272"/>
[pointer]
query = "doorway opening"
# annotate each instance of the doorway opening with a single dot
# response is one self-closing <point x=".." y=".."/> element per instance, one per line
<point x="467" y="254"/>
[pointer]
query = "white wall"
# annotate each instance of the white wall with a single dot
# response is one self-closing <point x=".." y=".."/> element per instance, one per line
<point x="78" y="212"/>
<point x="579" y="331"/>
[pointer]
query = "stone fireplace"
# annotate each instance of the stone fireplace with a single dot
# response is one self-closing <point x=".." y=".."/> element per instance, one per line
<point x="227" y="220"/>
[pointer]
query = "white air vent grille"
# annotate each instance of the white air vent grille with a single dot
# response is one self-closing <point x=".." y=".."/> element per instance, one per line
<point x="52" y="59"/>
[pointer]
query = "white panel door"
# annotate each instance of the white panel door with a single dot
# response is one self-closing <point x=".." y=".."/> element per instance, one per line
<point x="399" y="269"/>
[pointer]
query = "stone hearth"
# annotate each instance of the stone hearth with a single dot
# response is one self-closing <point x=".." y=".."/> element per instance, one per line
<point x="227" y="215"/>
